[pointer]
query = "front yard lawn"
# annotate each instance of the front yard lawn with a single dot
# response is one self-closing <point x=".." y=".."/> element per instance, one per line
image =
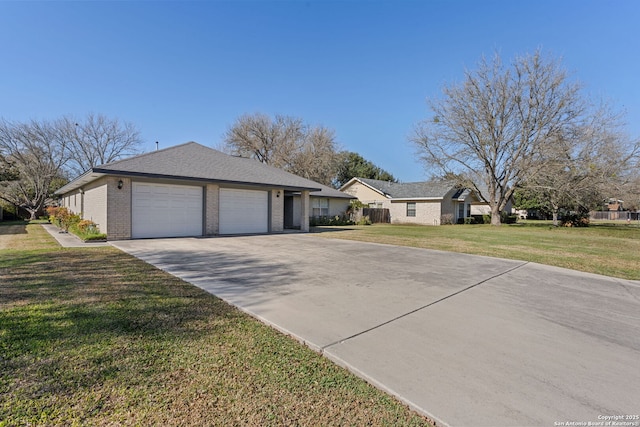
<point x="97" y="337"/>
<point x="608" y="249"/>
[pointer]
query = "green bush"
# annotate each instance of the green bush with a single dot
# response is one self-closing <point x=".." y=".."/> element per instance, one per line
<point x="329" y="220"/>
<point x="505" y="218"/>
<point x="469" y="220"/>
<point x="365" y="220"/>
<point x="84" y="229"/>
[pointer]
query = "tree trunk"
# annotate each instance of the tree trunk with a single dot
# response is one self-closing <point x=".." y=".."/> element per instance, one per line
<point x="495" y="215"/>
<point x="555" y="217"/>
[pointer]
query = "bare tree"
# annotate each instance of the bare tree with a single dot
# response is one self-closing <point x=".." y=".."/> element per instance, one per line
<point x="316" y="159"/>
<point x="42" y="154"/>
<point x="492" y="128"/>
<point x="285" y="142"/>
<point x="37" y="152"/>
<point x="578" y="171"/>
<point x="97" y="140"/>
<point x="269" y="141"/>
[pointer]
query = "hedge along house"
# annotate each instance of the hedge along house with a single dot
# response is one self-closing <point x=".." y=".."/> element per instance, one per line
<point x="426" y="203"/>
<point x="192" y="190"/>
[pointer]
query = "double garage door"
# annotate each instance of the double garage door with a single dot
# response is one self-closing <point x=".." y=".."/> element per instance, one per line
<point x="167" y="210"/>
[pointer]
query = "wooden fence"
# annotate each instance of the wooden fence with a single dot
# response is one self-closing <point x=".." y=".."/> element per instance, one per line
<point x="377" y="215"/>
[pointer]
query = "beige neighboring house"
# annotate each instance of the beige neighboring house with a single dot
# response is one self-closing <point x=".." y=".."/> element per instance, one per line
<point x="193" y="190"/>
<point x="427" y="203"/>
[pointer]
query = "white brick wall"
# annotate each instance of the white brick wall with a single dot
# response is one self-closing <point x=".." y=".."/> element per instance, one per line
<point x="427" y="213"/>
<point x="95" y="203"/>
<point x="118" y="208"/>
<point x="212" y="209"/>
<point x="277" y="211"/>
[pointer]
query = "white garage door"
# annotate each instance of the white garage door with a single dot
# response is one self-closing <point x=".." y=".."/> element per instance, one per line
<point x="243" y="211"/>
<point x="164" y="210"/>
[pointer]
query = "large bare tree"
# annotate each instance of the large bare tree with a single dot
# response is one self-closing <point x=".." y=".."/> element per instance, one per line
<point x="492" y="128"/>
<point x="285" y="142"/>
<point x="37" y="152"/>
<point x="97" y="139"/>
<point x="579" y="171"/>
<point x="43" y="154"/>
<point x="317" y="157"/>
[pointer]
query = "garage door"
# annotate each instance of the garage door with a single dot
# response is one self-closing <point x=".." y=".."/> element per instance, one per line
<point x="164" y="210"/>
<point x="243" y="211"/>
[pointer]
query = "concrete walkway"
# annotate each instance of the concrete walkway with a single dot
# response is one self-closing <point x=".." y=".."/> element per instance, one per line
<point x="466" y="340"/>
<point x="70" y="240"/>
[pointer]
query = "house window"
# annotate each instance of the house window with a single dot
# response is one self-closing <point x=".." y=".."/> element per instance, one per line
<point x="411" y="209"/>
<point x="319" y="207"/>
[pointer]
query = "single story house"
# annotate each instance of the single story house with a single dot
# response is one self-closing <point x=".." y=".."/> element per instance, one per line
<point x="193" y="190"/>
<point x="428" y="203"/>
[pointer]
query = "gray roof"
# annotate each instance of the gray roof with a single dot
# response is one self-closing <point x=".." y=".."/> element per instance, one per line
<point x="331" y="192"/>
<point x="192" y="161"/>
<point x="411" y="190"/>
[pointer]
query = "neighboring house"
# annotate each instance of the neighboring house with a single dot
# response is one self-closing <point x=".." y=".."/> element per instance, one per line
<point x="193" y="190"/>
<point x="614" y="205"/>
<point x="328" y="202"/>
<point x="428" y="203"/>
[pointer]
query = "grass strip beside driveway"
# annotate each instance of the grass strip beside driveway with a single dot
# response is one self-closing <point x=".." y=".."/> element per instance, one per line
<point x="97" y="337"/>
<point x="607" y="249"/>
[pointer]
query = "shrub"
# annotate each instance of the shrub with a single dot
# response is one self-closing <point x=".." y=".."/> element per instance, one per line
<point x="61" y="217"/>
<point x="576" y="219"/>
<point x="329" y="220"/>
<point x="469" y="220"/>
<point x="365" y="220"/>
<point x="87" y="230"/>
<point x="446" y="219"/>
<point x="486" y="219"/>
<point x="83" y="228"/>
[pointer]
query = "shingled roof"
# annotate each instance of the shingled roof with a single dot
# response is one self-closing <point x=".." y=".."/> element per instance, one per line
<point x="436" y="189"/>
<point x="193" y="161"/>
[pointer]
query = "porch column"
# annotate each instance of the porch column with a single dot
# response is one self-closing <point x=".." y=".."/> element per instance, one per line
<point x="304" y="211"/>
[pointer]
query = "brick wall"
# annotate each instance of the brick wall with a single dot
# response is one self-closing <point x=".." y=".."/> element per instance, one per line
<point x="304" y="211"/>
<point x="277" y="211"/>
<point x="95" y="203"/>
<point x="212" y="209"/>
<point x="118" y="208"/>
<point x="427" y="213"/>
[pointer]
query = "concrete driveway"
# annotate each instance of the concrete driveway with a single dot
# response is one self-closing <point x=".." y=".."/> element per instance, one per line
<point x="466" y="340"/>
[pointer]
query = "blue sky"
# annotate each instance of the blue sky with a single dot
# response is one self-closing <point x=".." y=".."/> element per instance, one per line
<point x="184" y="71"/>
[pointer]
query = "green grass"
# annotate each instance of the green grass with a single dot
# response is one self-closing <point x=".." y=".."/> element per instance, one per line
<point x="608" y="249"/>
<point x="97" y="337"/>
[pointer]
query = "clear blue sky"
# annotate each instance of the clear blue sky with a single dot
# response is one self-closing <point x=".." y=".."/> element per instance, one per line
<point x="184" y="71"/>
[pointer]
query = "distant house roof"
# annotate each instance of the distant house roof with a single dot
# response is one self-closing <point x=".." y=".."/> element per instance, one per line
<point x="436" y="189"/>
<point x="192" y="161"/>
<point x="330" y="192"/>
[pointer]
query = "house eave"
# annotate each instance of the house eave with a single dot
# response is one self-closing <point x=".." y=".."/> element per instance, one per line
<point x="96" y="173"/>
<point x="84" y="179"/>
<point x="416" y="199"/>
